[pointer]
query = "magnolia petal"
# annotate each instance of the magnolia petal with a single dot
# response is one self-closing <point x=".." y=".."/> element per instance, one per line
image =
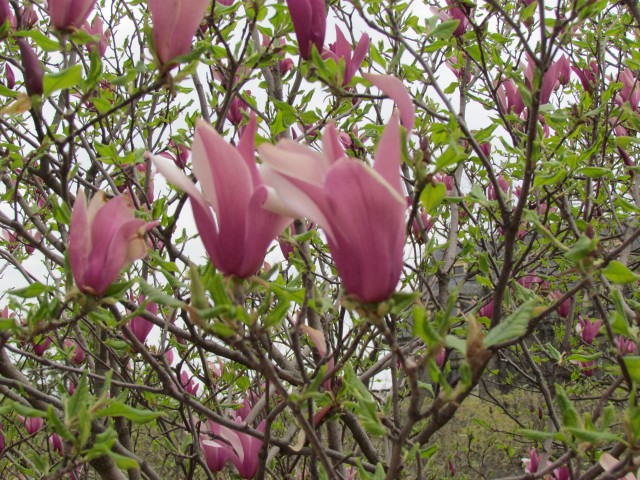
<point x="317" y="337"/>
<point x="247" y="148"/>
<point x="359" y="54"/>
<point x="79" y="239"/>
<point x="368" y="224"/>
<point x="331" y="146"/>
<point x="306" y="200"/>
<point x="389" y="153"/>
<point x="295" y="161"/>
<point x="395" y="89"/>
<point x="226" y="182"/>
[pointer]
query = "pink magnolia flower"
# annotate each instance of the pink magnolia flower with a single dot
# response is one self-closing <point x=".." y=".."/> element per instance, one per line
<point x="588" y="329"/>
<point x="320" y="342"/>
<point x="237" y="106"/>
<point x="630" y="89"/>
<point x="33" y="73"/>
<point x="563" y="309"/>
<point x="238" y="236"/>
<point x="309" y="19"/>
<point x="77" y="353"/>
<point x="174" y="26"/>
<point x="342" y="49"/>
<point x="10" y="76"/>
<point x="31" y="424"/>
<point x="178" y="153"/>
<point x="487" y="309"/>
<point x="532" y="463"/>
<point x="97" y="29"/>
<point x="561" y="473"/>
<point x="509" y="98"/>
<point x="140" y="326"/>
<point x="104" y="238"/>
<point x="168" y="355"/>
<point x="504" y="185"/>
<point x="28" y="17"/>
<point x="550" y="79"/>
<point x="626" y="346"/>
<point x="361" y="209"/>
<point x="427" y="223"/>
<point x="609" y="463"/>
<point x="6" y="14"/>
<point x="440" y="357"/>
<point x="188" y="383"/>
<point x="41" y="346"/>
<point x="528" y="280"/>
<point x="455" y="11"/>
<point x="588" y="76"/>
<point x="68" y="14"/>
<point x="239" y="447"/>
<point x="564" y="70"/>
<point x="56" y="443"/>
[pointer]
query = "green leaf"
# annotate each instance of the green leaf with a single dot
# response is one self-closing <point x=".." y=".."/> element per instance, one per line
<point x="365" y="406"/>
<point x="64" y="79"/>
<point x="633" y="367"/>
<point x="156" y="295"/>
<point x="539" y="436"/>
<point x="618" y="272"/>
<point x="445" y="29"/>
<point x="433" y="195"/>
<point x="581" y="249"/>
<point x="513" y="326"/>
<point x="31" y="291"/>
<point x="593" y="436"/>
<point x="120" y="409"/>
<point x="570" y="417"/>
<point x="595" y="172"/>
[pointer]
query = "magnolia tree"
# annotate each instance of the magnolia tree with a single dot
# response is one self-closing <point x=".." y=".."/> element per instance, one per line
<point x="454" y="194"/>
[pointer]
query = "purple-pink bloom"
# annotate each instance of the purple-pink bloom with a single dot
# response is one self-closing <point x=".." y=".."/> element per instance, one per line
<point x="309" y="19"/>
<point x="31" y="424"/>
<point x="175" y="23"/>
<point x="588" y="329"/>
<point x="75" y="350"/>
<point x="532" y="463"/>
<point x="361" y="209"/>
<point x="41" y="346"/>
<point x="97" y="29"/>
<point x="104" y="238"/>
<point x="504" y="185"/>
<point x="630" y="90"/>
<point x="33" y="73"/>
<point x="6" y="14"/>
<point x="140" y="326"/>
<point x="178" y="153"/>
<point x="561" y="473"/>
<point x="487" y="309"/>
<point x="509" y="98"/>
<point x="236" y="107"/>
<point x="10" y="76"/>
<point x="564" y="70"/>
<point x="241" y="448"/>
<point x="626" y="346"/>
<point x="427" y="223"/>
<point x="528" y="280"/>
<point x="56" y="443"/>
<point x="588" y="76"/>
<point x="563" y="309"/>
<point x="550" y="78"/>
<point x="68" y="14"/>
<point x="238" y="236"/>
<point x="342" y="49"/>
<point x="188" y="383"/>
